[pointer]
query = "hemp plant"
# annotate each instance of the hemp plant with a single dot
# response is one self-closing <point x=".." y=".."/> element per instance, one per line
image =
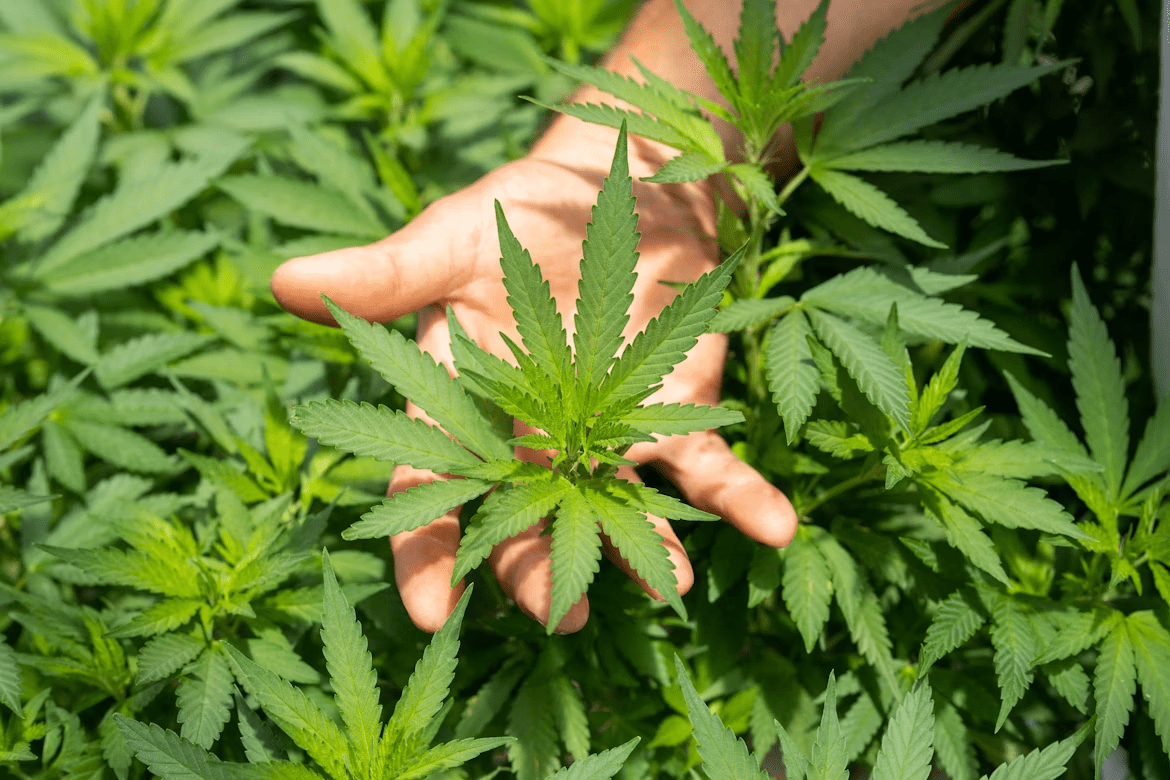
<point x="585" y="401"/>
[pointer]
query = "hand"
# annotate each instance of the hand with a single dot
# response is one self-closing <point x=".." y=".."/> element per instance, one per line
<point x="449" y="256"/>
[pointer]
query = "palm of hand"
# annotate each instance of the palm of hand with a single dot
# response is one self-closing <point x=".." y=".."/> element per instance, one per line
<point x="449" y="256"/>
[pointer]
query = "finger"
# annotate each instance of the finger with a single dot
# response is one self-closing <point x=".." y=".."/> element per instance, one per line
<point x="712" y="478"/>
<point x="523" y="567"/>
<point x="420" y="264"/>
<point x="684" y="575"/>
<point x="424" y="559"/>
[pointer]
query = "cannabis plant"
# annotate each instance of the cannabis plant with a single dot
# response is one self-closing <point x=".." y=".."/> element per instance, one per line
<point x="584" y="401"/>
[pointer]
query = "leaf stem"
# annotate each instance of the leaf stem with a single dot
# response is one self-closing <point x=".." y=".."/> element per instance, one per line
<point x="791" y="186"/>
<point x="876" y="471"/>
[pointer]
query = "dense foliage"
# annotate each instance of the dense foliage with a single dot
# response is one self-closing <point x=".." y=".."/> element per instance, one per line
<point x="981" y="574"/>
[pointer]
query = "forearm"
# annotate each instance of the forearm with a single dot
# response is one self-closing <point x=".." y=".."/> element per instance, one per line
<point x="656" y="38"/>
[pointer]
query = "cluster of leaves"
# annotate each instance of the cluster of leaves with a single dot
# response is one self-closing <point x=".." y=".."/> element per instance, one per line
<point x="160" y="585"/>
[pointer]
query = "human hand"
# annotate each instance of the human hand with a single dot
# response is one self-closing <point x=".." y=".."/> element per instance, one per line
<point x="449" y="256"/>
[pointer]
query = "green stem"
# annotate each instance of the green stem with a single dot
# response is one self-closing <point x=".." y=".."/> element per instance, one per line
<point x="791" y="186"/>
<point x="877" y="470"/>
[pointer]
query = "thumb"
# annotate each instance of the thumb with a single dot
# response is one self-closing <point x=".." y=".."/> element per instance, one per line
<point x="418" y="265"/>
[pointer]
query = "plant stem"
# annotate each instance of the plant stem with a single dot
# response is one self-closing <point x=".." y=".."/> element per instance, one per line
<point x="791" y="186"/>
<point x="873" y="472"/>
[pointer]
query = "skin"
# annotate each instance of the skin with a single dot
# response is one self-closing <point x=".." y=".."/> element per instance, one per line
<point x="449" y="256"/>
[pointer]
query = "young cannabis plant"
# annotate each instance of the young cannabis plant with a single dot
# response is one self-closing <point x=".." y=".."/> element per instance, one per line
<point x="584" y="401"/>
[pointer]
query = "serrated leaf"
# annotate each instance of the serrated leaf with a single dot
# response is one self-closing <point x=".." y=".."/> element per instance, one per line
<point x="13" y="498"/>
<point x="123" y="447"/>
<point x="63" y="332"/>
<point x="164" y="655"/>
<point x="958" y="618"/>
<point x="755" y="48"/>
<point x="9" y="679"/>
<point x="205" y="699"/>
<point x="934" y="157"/>
<point x="505" y="513"/>
<point x="709" y="53"/>
<point x="952" y="743"/>
<point x="637" y="541"/>
<point x="647" y="499"/>
<point x="429" y="683"/>
<point x="1008" y="502"/>
<point x="1043" y="423"/>
<point x="61" y="172"/>
<point x="636" y="123"/>
<point x="137" y="357"/>
<point x="600" y="766"/>
<point x="1153" y="452"/>
<point x="866" y="201"/>
<point x="351" y="673"/>
<point x="381" y="433"/>
<point x="792" y="375"/>
<point x="1069" y="679"/>
<point x="418" y="377"/>
<point x="135" y="204"/>
<point x="168" y="755"/>
<point x="927" y="101"/>
<point x="807" y="587"/>
<point x="724" y="756"/>
<point x="798" y="54"/>
<point x="410" y="509"/>
<point x="679" y="419"/>
<point x="965" y="534"/>
<point x="1100" y="389"/>
<point x="1046" y="763"/>
<point x="1015" y="645"/>
<point x="23" y="416"/>
<point x="447" y="755"/>
<point x="1077" y="632"/>
<point x="874" y="370"/>
<point x="572" y="720"/>
<point x="860" y="607"/>
<point x="610" y="254"/>
<point x="127" y="263"/>
<point x="162" y="617"/>
<point x="688" y="166"/>
<point x="867" y="295"/>
<point x="294" y="712"/>
<point x="133" y="569"/>
<point x="907" y="746"/>
<point x="828" y="759"/>
<point x="859" y="725"/>
<point x="1151" y="649"/>
<point x="301" y="204"/>
<point x="667" y="338"/>
<point x="742" y="314"/>
<point x="226" y="33"/>
<point x="1114" y="685"/>
<point x="535" y="752"/>
<point x="576" y="553"/>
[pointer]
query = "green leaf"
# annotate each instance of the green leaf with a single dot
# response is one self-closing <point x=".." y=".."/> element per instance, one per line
<point x="709" y="53"/>
<point x="874" y="370"/>
<point x="1068" y="678"/>
<point x="1043" y="423"/>
<point x="164" y="655"/>
<point x="1100" y="389"/>
<point x="1078" y="631"/>
<point x="122" y="447"/>
<point x="137" y="357"/>
<point x="1153" y="452"/>
<point x="9" y="679"/>
<point x="952" y="743"/>
<point x="1015" y="645"/>
<point x="637" y="541"/>
<point x="792" y="376"/>
<point x="351" y="673"/>
<point x="965" y="534"/>
<point x="907" y="746"/>
<point x="601" y="766"/>
<point x="535" y="752"/>
<point x="410" y="509"/>
<point x="868" y="295"/>
<point x="636" y="123"/>
<point x="739" y="315"/>
<point x="679" y="419"/>
<point x="1008" y="502"/>
<point x="127" y="263"/>
<point x="934" y="157"/>
<point x="1114" y="685"/>
<point x="133" y="569"/>
<point x="23" y="416"/>
<point x="447" y="755"/>
<point x="134" y="204"/>
<point x="688" y="166"/>
<point x="958" y="618"/>
<point x="162" y="617"/>
<point x="429" y="683"/>
<point x="227" y="33"/>
<point x="1046" y="763"/>
<point x="932" y="99"/>
<point x="13" y="498"/>
<point x="63" y="332"/>
<point x="755" y="48"/>
<point x="61" y="172"/>
<point x="301" y="204"/>
<point x="576" y="553"/>
<point x="647" y="499"/>
<point x="205" y="699"/>
<point x="866" y="201"/>
<point x="798" y="54"/>
<point x="860" y="607"/>
<point x="418" y="377"/>
<point x="610" y="254"/>
<point x="807" y="587"/>
<point x="505" y="513"/>
<point x="295" y="713"/>
<point x="537" y="318"/>
<point x="168" y="755"/>
<point x="667" y="338"/>
<point x="724" y="756"/>
<point x="572" y="720"/>
<point x="381" y="433"/>
<point x="1151" y="649"/>
<point x="828" y="759"/>
<point x="795" y="763"/>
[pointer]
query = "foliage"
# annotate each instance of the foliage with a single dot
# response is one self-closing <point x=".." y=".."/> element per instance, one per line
<point x="981" y="469"/>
